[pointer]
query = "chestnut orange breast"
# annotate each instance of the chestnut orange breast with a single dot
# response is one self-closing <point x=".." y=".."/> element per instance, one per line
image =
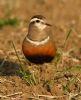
<point x="41" y="53"/>
<point x="38" y="45"/>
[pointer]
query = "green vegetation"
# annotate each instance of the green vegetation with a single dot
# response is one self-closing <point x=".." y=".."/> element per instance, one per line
<point x="9" y="21"/>
<point x="27" y="75"/>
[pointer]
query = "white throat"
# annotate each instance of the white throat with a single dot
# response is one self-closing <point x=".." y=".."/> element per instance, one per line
<point x="40" y="26"/>
<point x="38" y="42"/>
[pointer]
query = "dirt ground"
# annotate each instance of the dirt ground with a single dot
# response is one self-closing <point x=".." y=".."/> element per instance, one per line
<point x="57" y="80"/>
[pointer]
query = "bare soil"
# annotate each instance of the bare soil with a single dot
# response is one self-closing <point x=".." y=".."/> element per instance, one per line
<point x="56" y="80"/>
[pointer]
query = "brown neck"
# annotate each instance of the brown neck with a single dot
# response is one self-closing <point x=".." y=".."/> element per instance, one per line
<point x="35" y="34"/>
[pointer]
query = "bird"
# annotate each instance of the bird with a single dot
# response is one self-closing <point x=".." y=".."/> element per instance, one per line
<point x="38" y="45"/>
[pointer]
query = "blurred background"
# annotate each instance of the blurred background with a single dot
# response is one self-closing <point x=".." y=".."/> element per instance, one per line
<point x="62" y="14"/>
<point x="60" y="78"/>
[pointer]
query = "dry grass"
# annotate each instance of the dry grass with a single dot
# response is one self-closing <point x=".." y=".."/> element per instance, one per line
<point x="59" y="79"/>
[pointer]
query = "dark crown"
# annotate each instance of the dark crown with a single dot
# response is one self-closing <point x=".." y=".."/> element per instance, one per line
<point x="38" y="16"/>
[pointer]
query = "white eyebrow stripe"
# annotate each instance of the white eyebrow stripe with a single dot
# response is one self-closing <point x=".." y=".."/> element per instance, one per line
<point x="38" y="42"/>
<point x="34" y="19"/>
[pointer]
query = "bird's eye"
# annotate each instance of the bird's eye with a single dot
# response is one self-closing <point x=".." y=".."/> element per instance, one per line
<point x="37" y="21"/>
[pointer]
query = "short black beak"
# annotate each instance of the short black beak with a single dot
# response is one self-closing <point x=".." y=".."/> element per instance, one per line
<point x="48" y="24"/>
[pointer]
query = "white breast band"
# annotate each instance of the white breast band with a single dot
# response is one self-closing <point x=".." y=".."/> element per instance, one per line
<point x="38" y="42"/>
